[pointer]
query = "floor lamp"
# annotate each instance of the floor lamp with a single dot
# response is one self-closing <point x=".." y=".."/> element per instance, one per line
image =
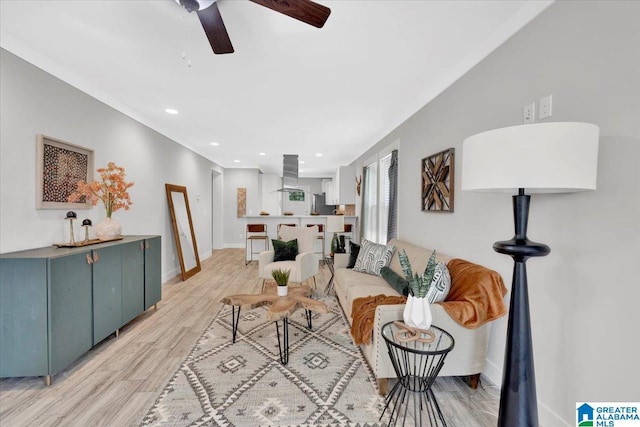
<point x="533" y="158"/>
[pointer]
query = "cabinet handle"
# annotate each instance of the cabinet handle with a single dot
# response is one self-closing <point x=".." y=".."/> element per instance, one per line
<point x="141" y="246"/>
<point x="89" y="260"/>
<point x="147" y="245"/>
<point x="96" y="257"/>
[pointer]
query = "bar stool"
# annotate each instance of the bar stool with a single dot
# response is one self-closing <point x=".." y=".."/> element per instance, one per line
<point x="320" y="236"/>
<point x="255" y="232"/>
<point x="288" y="225"/>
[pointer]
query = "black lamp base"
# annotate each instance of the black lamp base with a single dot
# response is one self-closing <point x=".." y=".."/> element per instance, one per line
<point x="518" y="401"/>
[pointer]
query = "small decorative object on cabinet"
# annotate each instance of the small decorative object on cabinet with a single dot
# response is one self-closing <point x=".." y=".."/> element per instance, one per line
<point x="417" y="312"/>
<point x="112" y="190"/>
<point x="86" y="223"/>
<point x="282" y="280"/>
<point x="437" y="181"/>
<point x="71" y="216"/>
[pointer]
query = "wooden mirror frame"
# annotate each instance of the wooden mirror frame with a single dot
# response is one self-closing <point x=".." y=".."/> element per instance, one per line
<point x="171" y="188"/>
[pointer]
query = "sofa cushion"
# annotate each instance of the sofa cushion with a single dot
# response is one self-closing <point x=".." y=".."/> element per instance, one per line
<point x="354" y="250"/>
<point x="440" y="285"/>
<point x="284" y="251"/>
<point x="373" y="257"/>
<point x="418" y="256"/>
<point x="394" y="280"/>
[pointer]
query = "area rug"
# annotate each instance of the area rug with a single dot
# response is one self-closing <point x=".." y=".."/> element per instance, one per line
<point x="326" y="382"/>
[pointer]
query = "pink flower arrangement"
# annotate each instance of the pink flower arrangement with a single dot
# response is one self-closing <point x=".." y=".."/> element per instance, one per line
<point x="111" y="189"/>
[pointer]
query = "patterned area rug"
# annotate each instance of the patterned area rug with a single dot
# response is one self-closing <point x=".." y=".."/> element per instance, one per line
<point x="326" y="382"/>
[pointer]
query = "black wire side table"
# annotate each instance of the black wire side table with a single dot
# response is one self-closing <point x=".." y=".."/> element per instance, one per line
<point x="417" y="365"/>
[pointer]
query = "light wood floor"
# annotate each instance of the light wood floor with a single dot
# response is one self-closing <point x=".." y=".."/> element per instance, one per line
<point x="116" y="382"/>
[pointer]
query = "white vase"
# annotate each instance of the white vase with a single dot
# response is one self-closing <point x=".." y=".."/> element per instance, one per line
<point x="108" y="229"/>
<point x="417" y="313"/>
<point x="283" y="291"/>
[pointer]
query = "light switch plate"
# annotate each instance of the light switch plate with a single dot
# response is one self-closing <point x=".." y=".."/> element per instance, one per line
<point x="545" y="109"/>
<point x="529" y="113"/>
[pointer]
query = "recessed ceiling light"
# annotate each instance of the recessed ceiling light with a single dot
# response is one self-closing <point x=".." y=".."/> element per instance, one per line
<point x="262" y="154"/>
<point x="301" y="161"/>
<point x="318" y="154"/>
<point x="236" y="161"/>
<point x="215" y="144"/>
<point x="170" y="111"/>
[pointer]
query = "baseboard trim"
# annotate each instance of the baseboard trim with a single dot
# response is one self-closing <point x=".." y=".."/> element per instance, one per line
<point x="546" y="416"/>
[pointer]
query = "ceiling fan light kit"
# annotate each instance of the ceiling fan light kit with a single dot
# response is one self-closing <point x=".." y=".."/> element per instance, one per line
<point x="303" y="10"/>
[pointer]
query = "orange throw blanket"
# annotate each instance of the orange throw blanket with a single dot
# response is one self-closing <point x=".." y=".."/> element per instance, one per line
<point x="363" y="311"/>
<point x="476" y="294"/>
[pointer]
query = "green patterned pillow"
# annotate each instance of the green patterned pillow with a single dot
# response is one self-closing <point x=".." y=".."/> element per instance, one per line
<point x="285" y="251"/>
<point x="373" y="257"/>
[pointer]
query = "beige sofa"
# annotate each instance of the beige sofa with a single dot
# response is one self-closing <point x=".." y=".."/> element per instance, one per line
<point x="469" y="353"/>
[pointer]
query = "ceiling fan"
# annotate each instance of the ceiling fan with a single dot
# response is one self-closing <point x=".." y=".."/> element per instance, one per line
<point x="303" y="10"/>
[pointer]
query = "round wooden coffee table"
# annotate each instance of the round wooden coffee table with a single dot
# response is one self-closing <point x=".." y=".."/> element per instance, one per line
<point x="280" y="308"/>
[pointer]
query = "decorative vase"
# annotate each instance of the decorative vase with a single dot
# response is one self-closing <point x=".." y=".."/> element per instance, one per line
<point x="283" y="290"/>
<point x="417" y="313"/>
<point x="108" y="229"/>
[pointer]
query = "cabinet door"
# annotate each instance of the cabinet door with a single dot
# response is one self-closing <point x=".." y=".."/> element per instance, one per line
<point x="23" y="317"/>
<point x="107" y="291"/>
<point x="152" y="272"/>
<point x="132" y="280"/>
<point x="69" y="309"/>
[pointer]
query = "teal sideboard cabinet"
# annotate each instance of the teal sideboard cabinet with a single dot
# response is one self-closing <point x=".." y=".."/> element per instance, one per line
<point x="57" y="303"/>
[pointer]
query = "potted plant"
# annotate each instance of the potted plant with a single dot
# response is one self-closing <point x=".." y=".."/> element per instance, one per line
<point x="113" y="191"/>
<point x="417" y="312"/>
<point x="282" y="279"/>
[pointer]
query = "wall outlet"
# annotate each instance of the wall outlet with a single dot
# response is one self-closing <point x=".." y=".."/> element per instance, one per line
<point x="545" y="109"/>
<point x="529" y="113"/>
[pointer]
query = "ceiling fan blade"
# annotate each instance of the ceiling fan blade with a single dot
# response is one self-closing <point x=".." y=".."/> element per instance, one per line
<point x="303" y="10"/>
<point x="213" y="25"/>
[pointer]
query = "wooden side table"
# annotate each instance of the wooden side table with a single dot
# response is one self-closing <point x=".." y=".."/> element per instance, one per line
<point x="280" y="308"/>
<point x="417" y="365"/>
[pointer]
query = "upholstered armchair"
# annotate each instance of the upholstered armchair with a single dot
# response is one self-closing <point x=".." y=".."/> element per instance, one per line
<point x="304" y="267"/>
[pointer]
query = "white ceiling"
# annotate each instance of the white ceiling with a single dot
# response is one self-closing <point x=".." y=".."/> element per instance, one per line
<point x="289" y="88"/>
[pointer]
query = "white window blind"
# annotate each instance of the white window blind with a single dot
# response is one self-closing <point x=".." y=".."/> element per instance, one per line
<point x="383" y="212"/>
<point x="370" y="219"/>
<point x="376" y="204"/>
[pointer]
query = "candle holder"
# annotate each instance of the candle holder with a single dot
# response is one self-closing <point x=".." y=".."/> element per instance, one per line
<point x="71" y="216"/>
<point x="86" y="223"/>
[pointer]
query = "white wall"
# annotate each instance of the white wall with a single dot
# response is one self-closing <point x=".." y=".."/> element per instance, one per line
<point x="584" y="295"/>
<point x="34" y="102"/>
<point x="234" y="227"/>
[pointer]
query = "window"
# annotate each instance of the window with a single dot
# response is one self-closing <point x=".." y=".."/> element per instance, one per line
<point x="375" y="208"/>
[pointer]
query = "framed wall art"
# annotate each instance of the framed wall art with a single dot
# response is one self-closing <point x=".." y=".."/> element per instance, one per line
<point x="60" y="165"/>
<point x="241" y="202"/>
<point x="437" y="181"/>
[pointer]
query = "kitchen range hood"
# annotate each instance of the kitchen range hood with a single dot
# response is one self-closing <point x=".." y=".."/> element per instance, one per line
<point x="289" y="173"/>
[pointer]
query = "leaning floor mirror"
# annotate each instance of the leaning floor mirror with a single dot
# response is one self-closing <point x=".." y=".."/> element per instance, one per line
<point x="183" y="233"/>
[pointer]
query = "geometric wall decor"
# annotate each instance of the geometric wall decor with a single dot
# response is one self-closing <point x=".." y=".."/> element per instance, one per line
<point x="437" y="181"/>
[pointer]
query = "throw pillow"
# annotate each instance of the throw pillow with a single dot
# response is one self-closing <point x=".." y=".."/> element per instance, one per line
<point x="285" y="251"/>
<point x="440" y="284"/>
<point x="373" y="257"/>
<point x="354" y="250"/>
<point x="396" y="281"/>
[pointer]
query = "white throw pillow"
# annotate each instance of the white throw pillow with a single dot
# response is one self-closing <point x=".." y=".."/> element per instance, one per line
<point x="440" y="284"/>
<point x="372" y="257"/>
